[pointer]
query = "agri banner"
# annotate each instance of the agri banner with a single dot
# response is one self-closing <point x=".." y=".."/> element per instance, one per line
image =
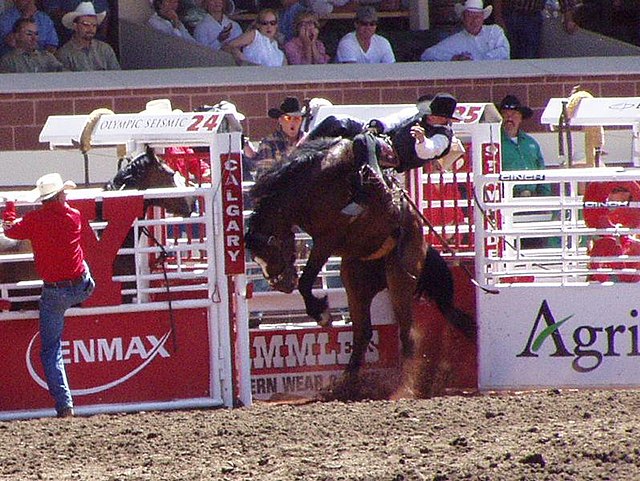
<point x="300" y="361"/>
<point x="111" y="358"/>
<point x="569" y="336"/>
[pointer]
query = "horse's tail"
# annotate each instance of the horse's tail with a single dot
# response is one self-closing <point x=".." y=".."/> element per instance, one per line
<point x="436" y="282"/>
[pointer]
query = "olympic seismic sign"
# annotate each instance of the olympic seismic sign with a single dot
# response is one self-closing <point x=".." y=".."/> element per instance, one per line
<point x="560" y="337"/>
<point x="112" y="359"/>
<point x="301" y="362"/>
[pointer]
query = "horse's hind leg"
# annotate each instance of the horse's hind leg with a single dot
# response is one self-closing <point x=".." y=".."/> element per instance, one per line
<point x="362" y="281"/>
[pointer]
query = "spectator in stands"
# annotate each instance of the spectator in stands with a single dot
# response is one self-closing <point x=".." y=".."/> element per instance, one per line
<point x="274" y="148"/>
<point x="475" y="42"/>
<point x="55" y="232"/>
<point x="47" y="36"/>
<point x="26" y="56"/>
<point x="305" y="48"/>
<point x="216" y="28"/>
<point x="165" y="19"/>
<point x="520" y="151"/>
<point x="259" y="44"/>
<point x="83" y="52"/>
<point x="363" y="45"/>
<point x="57" y="9"/>
<point x="522" y="21"/>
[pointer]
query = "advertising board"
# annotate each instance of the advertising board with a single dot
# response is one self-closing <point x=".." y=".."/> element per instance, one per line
<point x="563" y="337"/>
<point x="117" y="358"/>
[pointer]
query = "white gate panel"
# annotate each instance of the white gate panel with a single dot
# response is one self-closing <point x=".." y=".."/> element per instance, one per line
<point x="580" y="336"/>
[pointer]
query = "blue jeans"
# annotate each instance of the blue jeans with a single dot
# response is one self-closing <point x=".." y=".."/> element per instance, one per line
<point x="53" y="304"/>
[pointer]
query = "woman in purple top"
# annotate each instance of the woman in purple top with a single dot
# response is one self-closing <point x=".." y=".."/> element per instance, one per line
<point x="305" y="48"/>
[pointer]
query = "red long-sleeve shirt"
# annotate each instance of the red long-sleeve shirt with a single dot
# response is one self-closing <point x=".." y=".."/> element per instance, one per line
<point x="54" y="231"/>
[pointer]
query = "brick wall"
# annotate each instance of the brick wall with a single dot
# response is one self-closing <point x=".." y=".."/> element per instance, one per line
<point x="22" y="115"/>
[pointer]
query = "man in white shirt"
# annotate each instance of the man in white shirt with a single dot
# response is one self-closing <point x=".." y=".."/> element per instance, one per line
<point x="475" y="42"/>
<point x="363" y="45"/>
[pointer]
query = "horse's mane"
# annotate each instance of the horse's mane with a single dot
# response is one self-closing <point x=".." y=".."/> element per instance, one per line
<point x="293" y="172"/>
<point x="131" y="174"/>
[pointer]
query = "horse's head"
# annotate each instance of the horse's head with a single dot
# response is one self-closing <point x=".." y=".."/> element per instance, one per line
<point x="272" y="246"/>
<point x="146" y="171"/>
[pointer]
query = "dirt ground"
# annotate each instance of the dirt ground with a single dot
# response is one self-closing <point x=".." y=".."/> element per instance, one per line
<point x="546" y="435"/>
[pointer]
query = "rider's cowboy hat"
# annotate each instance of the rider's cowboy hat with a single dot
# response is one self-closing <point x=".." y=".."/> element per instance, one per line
<point x="160" y="106"/>
<point x="443" y="105"/>
<point x="511" y="102"/>
<point x="50" y="185"/>
<point x="474" y="6"/>
<point x="83" y="9"/>
<point x="289" y="106"/>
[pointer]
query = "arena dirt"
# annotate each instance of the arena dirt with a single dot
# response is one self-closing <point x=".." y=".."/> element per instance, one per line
<point x="546" y="435"/>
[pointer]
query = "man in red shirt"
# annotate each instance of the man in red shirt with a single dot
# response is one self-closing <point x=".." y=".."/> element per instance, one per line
<point x="54" y="231"/>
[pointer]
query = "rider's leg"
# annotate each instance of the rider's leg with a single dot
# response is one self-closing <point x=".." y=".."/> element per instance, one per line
<point x="365" y="158"/>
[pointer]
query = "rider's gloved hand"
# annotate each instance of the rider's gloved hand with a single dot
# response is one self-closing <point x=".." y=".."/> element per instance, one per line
<point x="375" y="126"/>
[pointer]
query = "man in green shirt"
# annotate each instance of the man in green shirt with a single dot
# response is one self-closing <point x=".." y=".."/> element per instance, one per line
<point x="520" y="151"/>
<point x="26" y="56"/>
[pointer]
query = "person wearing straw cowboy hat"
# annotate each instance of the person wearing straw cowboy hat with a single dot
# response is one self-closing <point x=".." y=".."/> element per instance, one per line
<point x="55" y="232"/>
<point x="476" y="41"/>
<point x="83" y="51"/>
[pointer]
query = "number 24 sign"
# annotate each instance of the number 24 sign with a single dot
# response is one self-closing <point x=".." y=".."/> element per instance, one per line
<point x="204" y="122"/>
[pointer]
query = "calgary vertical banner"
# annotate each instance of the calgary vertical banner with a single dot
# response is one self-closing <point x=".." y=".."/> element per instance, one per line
<point x="231" y="166"/>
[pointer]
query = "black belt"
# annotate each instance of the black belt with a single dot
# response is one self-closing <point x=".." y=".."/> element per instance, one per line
<point x="62" y="284"/>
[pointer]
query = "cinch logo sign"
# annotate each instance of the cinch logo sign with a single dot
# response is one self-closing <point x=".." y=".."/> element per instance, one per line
<point x="587" y="345"/>
<point x="126" y="356"/>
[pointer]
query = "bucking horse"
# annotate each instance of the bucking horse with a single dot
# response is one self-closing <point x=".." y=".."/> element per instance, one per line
<point x="382" y="248"/>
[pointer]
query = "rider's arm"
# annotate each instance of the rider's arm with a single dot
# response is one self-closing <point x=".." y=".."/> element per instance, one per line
<point x="430" y="147"/>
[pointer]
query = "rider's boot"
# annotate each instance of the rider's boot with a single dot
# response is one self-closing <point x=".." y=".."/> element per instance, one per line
<point x="365" y="155"/>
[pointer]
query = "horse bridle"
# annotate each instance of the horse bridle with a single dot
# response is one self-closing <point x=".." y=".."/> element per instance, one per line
<point x="271" y="241"/>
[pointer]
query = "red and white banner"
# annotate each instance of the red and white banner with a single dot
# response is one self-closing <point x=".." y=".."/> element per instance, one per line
<point x="111" y="358"/>
<point x="303" y="361"/>
<point x="231" y="170"/>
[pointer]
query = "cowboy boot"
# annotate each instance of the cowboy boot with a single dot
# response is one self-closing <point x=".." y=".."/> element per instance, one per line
<point x="365" y="155"/>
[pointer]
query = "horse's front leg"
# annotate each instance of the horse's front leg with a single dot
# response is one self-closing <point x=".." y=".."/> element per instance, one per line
<point x="316" y="307"/>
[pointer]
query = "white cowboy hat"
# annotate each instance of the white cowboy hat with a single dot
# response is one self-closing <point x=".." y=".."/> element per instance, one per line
<point x="83" y="9"/>
<point x="474" y="5"/>
<point x="160" y="106"/>
<point x="229" y="108"/>
<point x="49" y="185"/>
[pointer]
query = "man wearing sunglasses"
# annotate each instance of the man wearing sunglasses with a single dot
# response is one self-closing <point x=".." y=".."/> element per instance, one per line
<point x="26" y="56"/>
<point x="363" y="45"/>
<point x="274" y="148"/>
<point x="27" y="9"/>
<point x="83" y="52"/>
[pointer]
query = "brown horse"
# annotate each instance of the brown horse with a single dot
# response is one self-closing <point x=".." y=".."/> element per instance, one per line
<point x="384" y="247"/>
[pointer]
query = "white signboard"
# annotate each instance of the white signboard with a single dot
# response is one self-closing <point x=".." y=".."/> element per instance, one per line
<point x="533" y="337"/>
<point x="605" y="111"/>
